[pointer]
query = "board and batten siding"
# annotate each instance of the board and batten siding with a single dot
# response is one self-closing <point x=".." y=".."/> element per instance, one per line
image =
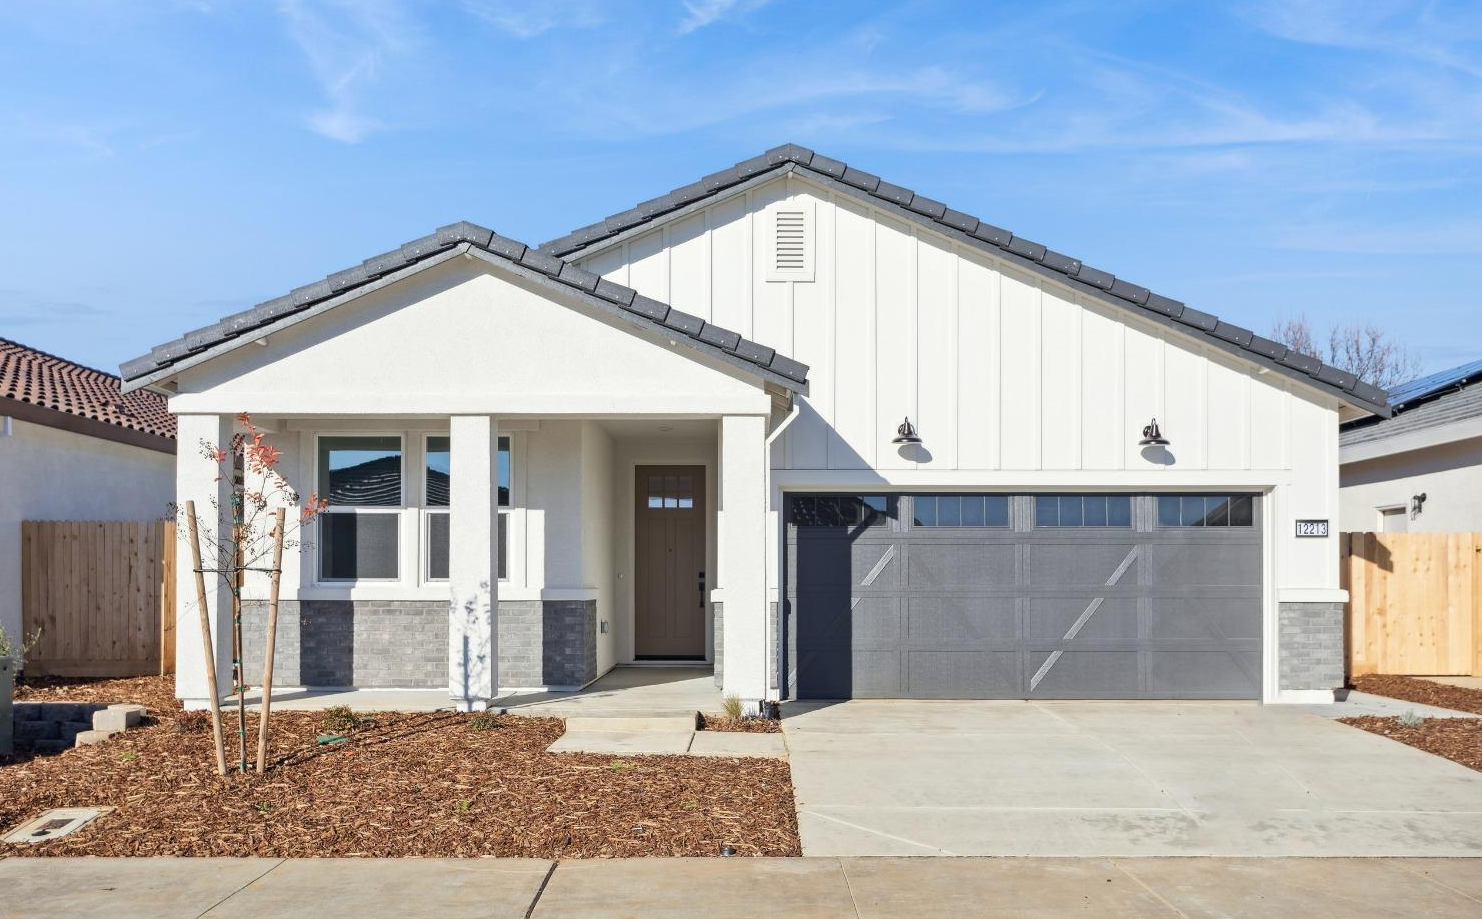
<point x="999" y="369"/>
<point x="1012" y="380"/>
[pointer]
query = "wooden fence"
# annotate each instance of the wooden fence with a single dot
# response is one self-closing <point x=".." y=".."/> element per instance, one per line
<point x="103" y="595"/>
<point x="1414" y="602"/>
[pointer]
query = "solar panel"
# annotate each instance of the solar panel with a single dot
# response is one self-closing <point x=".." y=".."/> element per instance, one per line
<point x="1405" y="393"/>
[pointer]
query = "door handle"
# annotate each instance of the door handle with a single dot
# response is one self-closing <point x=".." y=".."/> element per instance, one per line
<point x="702" y="590"/>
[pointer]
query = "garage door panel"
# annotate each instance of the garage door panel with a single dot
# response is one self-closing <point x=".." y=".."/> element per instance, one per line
<point x="1204" y="618"/>
<point x="1205" y="564"/>
<point x="1178" y="674"/>
<point x="1052" y="607"/>
<point x="1082" y="564"/>
<point x="962" y="674"/>
<point x="1084" y="675"/>
<point x="877" y="674"/>
<point x="1091" y="618"/>
<point x="950" y="621"/>
<point x="875" y="622"/>
<point x="947" y="566"/>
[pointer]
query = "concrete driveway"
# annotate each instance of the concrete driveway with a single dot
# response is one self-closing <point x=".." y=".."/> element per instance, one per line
<point x="1117" y="779"/>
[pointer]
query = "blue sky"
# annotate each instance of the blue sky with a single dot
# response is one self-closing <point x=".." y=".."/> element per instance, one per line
<point x="165" y="163"/>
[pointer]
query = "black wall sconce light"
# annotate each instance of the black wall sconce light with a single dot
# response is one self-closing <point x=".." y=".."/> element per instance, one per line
<point x="906" y="433"/>
<point x="1152" y="437"/>
<point x="1417" y="504"/>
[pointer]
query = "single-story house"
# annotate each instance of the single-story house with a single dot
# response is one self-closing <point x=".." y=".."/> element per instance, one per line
<point x="73" y="446"/>
<point x="1420" y="469"/>
<point x="831" y="436"/>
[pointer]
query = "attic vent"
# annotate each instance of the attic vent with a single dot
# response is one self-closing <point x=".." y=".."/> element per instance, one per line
<point x="792" y="244"/>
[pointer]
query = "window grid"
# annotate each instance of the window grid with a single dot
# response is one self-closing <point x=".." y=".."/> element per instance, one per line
<point x="1206" y="511"/>
<point x="960" y="511"/>
<point x="840" y="511"/>
<point x="1094" y="510"/>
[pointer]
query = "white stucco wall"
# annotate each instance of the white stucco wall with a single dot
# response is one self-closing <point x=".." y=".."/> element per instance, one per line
<point x="49" y="474"/>
<point x="1449" y="475"/>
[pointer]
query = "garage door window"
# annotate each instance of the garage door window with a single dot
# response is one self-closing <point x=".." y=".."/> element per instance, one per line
<point x="1083" y="511"/>
<point x="840" y="511"/>
<point x="1206" y="510"/>
<point x="961" y="510"/>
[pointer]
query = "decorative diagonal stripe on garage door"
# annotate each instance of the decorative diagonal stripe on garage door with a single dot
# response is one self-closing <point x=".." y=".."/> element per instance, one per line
<point x="875" y="572"/>
<point x="1082" y="619"/>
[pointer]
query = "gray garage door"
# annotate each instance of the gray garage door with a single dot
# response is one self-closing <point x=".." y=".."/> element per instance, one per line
<point x="1075" y="596"/>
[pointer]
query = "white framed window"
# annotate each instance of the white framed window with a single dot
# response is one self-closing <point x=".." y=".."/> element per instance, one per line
<point x="435" y="506"/>
<point x="363" y="477"/>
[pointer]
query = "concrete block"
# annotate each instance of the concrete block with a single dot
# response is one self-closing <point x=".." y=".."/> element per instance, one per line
<point x="118" y="718"/>
<point x="88" y="738"/>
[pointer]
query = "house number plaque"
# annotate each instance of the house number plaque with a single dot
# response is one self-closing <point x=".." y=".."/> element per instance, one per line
<point x="1312" y="528"/>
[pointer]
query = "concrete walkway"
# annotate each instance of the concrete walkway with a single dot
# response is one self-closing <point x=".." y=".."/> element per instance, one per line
<point x="624" y="691"/>
<point x="820" y="888"/>
<point x="1117" y="779"/>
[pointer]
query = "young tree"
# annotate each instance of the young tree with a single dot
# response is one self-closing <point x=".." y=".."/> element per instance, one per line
<point x="247" y="536"/>
<point x="1361" y="348"/>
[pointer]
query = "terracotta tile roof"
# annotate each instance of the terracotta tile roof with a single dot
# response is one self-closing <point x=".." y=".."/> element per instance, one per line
<point x="37" y="378"/>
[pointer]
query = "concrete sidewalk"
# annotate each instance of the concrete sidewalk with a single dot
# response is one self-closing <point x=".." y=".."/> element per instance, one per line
<point x="851" y="888"/>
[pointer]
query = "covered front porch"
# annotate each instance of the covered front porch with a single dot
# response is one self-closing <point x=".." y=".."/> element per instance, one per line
<point x="505" y="562"/>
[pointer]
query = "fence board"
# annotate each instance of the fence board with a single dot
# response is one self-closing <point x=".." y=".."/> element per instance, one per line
<point x="1415" y="602"/>
<point x="102" y="595"/>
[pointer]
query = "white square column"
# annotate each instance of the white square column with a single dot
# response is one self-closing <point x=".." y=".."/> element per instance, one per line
<point x="743" y="556"/>
<point x="208" y="483"/>
<point x="473" y="561"/>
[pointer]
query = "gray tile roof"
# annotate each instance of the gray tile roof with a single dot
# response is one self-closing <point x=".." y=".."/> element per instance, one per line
<point x="986" y="237"/>
<point x="1418" y="406"/>
<point x="431" y="249"/>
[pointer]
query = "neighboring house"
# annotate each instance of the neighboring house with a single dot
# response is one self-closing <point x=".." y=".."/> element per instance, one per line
<point x="635" y="474"/>
<point x="73" y="447"/>
<point x="1421" y="469"/>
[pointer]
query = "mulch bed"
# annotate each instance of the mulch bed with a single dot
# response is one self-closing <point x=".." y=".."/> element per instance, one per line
<point x="425" y="784"/>
<point x="1457" y="739"/>
<point x="155" y="693"/>
<point x="1424" y="692"/>
<point x="740" y="725"/>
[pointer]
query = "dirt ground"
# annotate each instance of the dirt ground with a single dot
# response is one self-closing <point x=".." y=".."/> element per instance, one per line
<point x="1457" y="739"/>
<point x="1425" y="692"/>
<point x="427" y="784"/>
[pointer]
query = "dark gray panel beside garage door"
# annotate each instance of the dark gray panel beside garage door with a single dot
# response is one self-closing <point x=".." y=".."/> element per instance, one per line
<point x="880" y="608"/>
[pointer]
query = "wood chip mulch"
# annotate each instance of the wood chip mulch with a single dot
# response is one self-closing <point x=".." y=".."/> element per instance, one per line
<point x="1457" y="739"/>
<point x="424" y="784"/>
<point x="1424" y="692"/>
<point x="155" y="693"/>
<point x="740" y="725"/>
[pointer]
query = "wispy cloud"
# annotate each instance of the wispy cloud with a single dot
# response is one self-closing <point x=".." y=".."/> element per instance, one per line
<point x="532" y="18"/>
<point x="348" y="44"/>
<point x="701" y="13"/>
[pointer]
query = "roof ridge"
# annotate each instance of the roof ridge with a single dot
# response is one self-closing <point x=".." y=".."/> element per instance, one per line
<point x="706" y="335"/>
<point x="986" y="237"/>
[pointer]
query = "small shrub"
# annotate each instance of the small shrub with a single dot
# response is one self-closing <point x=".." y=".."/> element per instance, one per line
<point x="484" y="721"/>
<point x="193" y="722"/>
<point x="732" y="707"/>
<point x="339" y="719"/>
<point x="1411" y="719"/>
<point x="465" y="806"/>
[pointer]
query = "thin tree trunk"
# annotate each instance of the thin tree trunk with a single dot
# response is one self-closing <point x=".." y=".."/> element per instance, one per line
<point x="272" y="638"/>
<point x="211" y="689"/>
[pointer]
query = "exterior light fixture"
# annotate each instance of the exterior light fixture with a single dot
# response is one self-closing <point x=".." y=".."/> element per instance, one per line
<point x="1152" y="437"/>
<point x="1417" y="504"/>
<point x="906" y="433"/>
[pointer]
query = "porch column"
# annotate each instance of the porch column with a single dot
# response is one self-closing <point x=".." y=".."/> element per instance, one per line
<point x="200" y="479"/>
<point x="473" y="561"/>
<point x="742" y="557"/>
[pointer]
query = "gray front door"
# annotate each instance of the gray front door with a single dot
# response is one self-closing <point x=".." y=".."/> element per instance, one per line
<point x="974" y="596"/>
